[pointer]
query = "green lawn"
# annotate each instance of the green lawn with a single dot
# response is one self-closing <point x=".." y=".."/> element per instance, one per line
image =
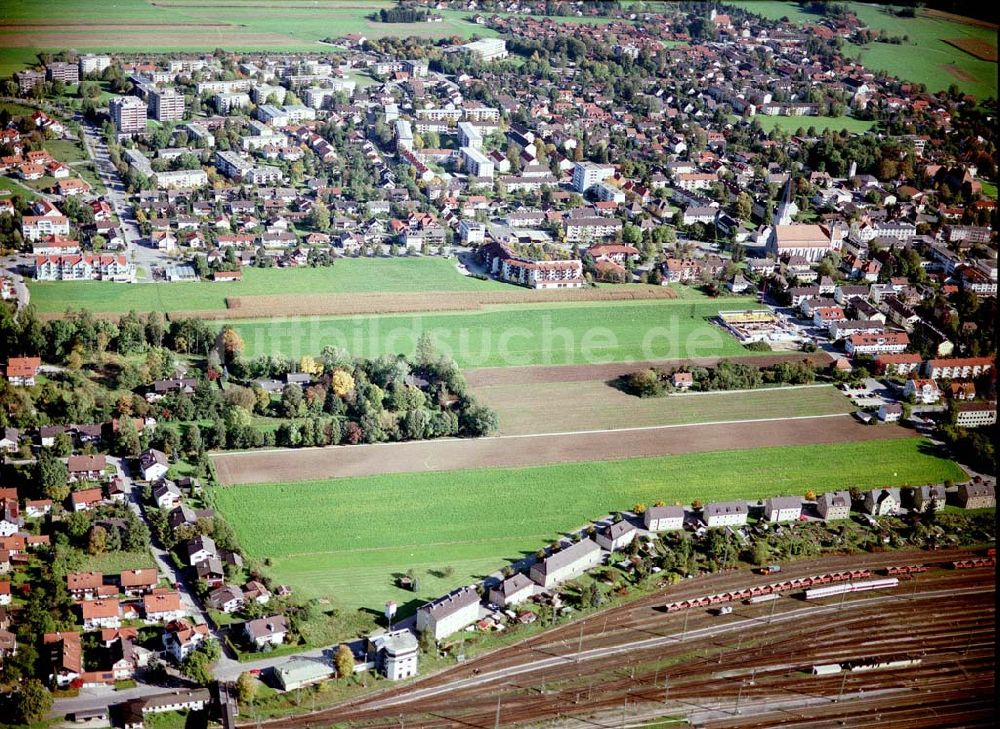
<point x="66" y="150"/>
<point x="116" y="562"/>
<point x="925" y="58"/>
<point x="514" y="335"/>
<point x="13" y="188"/>
<point x="348" y="275"/>
<point x="597" y="405"/>
<point x="793" y="123"/>
<point x="344" y="539"/>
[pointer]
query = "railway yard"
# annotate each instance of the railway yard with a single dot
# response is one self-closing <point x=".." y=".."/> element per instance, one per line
<point x="641" y="665"/>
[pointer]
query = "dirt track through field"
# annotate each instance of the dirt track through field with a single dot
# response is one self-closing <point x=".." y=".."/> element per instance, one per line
<point x="303" y="464"/>
<point x="578" y="373"/>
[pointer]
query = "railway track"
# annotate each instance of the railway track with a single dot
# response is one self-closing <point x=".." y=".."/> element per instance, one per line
<point x="635" y="662"/>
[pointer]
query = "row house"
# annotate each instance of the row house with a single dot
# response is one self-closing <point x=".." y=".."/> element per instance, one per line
<point x="874" y="344"/>
<point x="36" y="227"/>
<point x="84" y="267"/>
<point x="959" y="368"/>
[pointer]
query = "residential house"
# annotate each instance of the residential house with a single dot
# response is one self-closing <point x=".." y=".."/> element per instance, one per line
<point x="929" y="497"/>
<point x="782" y="508"/>
<point x="21" y="371"/>
<point x="567" y="563"/>
<point x="925" y="392"/>
<point x="200" y="549"/>
<point x="881" y="502"/>
<point x="725" y="513"/>
<point x="162" y="606"/>
<point x="65" y="657"/>
<point x="181" y="638"/>
<point x="616" y="536"/>
<point x="86" y="468"/>
<point x="86" y="499"/>
<point x="153" y="464"/>
<point x="84" y="585"/>
<point x="138" y="582"/>
<point x="449" y="614"/>
<point x="834" y="505"/>
<point x="100" y="613"/>
<point x="166" y="494"/>
<point x="227" y="599"/>
<point x="977" y="495"/>
<point x="890" y="412"/>
<point x="513" y="590"/>
<point x="663" y="518"/>
<point x="266" y="631"/>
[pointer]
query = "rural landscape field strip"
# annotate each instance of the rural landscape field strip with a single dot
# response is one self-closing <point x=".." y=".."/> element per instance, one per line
<point x="569" y="406"/>
<point x="346" y="276"/>
<point x="582" y="333"/>
<point x="271" y="466"/>
<point x="344" y="538"/>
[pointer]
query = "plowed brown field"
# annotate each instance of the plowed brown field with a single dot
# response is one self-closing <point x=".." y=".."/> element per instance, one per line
<point x="277" y="466"/>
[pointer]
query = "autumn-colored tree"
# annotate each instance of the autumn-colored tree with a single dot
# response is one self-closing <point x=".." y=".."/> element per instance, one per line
<point x="342" y="382"/>
<point x="232" y="342"/>
<point x="638" y="508"/>
<point x="98" y="541"/>
<point x="661" y="502"/>
<point x="309" y="365"/>
<point x="810" y="495"/>
<point x="344" y="661"/>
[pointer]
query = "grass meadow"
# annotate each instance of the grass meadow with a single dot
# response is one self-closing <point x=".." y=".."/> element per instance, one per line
<point x="347" y="275"/>
<point x="345" y="539"/>
<point x="821" y="123"/>
<point x="595" y="405"/>
<point x="513" y="335"/>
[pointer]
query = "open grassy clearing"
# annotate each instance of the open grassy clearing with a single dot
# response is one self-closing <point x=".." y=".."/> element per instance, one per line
<point x="820" y="123"/>
<point x="574" y="406"/>
<point x="926" y="58"/>
<point x="348" y="275"/>
<point x="344" y="539"/>
<point x="115" y="562"/>
<point x="577" y="333"/>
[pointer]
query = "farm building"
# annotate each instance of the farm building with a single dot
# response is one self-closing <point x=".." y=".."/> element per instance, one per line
<point x="616" y="536"/>
<point x="566" y="564"/>
<point x="513" y="590"/>
<point x="449" y="614"/>
<point x="725" y="513"/>
<point x="782" y="508"/>
<point x="663" y="518"/>
<point x="834" y="505"/>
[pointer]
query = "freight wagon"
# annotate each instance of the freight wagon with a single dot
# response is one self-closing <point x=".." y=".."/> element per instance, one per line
<point x="763" y="598"/>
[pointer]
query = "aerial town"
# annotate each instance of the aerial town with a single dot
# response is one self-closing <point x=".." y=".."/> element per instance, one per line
<point x="497" y="363"/>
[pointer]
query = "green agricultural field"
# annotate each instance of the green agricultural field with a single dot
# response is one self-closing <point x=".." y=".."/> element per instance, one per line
<point x="925" y="58"/>
<point x="514" y="335"/>
<point x="595" y="405"/>
<point x="345" y="539"/>
<point x="793" y="123"/>
<point x="347" y="275"/>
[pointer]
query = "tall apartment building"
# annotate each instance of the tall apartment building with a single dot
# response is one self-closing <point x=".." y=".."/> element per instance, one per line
<point x="166" y="105"/>
<point x="588" y="174"/>
<point x="488" y="49"/>
<point x="66" y="72"/>
<point x="128" y="114"/>
<point x="91" y="63"/>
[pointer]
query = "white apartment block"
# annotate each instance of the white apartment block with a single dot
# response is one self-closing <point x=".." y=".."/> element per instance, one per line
<point x="91" y="63"/>
<point x="128" y="114"/>
<point x="226" y="102"/>
<point x="449" y="614"/>
<point x="476" y="163"/>
<point x="588" y="174"/>
<point x="180" y="179"/>
<point x="37" y="227"/>
<point x="84" y="267"/>
<point x="488" y="49"/>
<point x="590" y="228"/>
<point x="469" y="136"/>
<point x="223" y="87"/>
